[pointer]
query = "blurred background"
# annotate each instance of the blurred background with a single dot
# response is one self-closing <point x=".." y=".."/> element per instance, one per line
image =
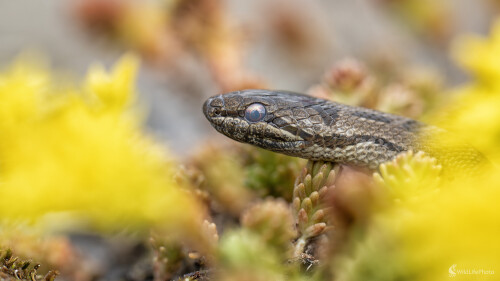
<point x="198" y="48"/>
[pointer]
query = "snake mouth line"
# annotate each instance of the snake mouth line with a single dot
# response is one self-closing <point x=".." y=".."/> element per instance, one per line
<point x="277" y="146"/>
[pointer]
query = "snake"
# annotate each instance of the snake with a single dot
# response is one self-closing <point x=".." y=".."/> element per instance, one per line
<point x="323" y="130"/>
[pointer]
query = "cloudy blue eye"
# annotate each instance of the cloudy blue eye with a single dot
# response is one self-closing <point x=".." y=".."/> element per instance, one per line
<point x="255" y="112"/>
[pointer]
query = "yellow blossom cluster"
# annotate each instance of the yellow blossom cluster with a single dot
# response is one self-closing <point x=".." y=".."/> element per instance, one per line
<point x="474" y="113"/>
<point x="78" y="154"/>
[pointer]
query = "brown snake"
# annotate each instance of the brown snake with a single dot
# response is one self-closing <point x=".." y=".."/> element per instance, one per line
<point x="317" y="129"/>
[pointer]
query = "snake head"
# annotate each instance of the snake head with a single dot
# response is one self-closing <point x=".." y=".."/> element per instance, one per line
<point x="264" y="118"/>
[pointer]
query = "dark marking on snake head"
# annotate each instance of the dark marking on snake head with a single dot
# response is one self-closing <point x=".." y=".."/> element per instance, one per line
<point x="291" y="129"/>
<point x="306" y="134"/>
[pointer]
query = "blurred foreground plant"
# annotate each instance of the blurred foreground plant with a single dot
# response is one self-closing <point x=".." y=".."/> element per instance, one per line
<point x="473" y="112"/>
<point x="435" y="227"/>
<point x="222" y="176"/>
<point x="273" y="221"/>
<point x="78" y="155"/>
<point x="234" y="174"/>
<point x="245" y="256"/>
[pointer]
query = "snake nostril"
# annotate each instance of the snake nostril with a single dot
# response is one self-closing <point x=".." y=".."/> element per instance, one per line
<point x="212" y="107"/>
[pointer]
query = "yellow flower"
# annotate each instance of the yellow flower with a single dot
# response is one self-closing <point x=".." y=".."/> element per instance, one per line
<point x="82" y="154"/>
<point x="115" y="89"/>
<point x="409" y="176"/>
<point x="422" y="241"/>
<point x="422" y="237"/>
<point x="473" y="114"/>
<point x="481" y="56"/>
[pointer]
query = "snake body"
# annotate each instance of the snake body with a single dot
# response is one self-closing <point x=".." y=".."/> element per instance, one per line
<point x="318" y="129"/>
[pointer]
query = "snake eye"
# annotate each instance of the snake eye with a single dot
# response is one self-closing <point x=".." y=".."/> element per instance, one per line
<point x="255" y="112"/>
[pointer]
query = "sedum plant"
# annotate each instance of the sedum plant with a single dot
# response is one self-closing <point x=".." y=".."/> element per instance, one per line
<point x="311" y="188"/>
<point x="273" y="221"/>
<point x="12" y="268"/>
<point x="409" y="176"/>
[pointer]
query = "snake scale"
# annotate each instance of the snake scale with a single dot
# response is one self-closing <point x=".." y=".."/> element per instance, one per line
<point x="318" y="129"/>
